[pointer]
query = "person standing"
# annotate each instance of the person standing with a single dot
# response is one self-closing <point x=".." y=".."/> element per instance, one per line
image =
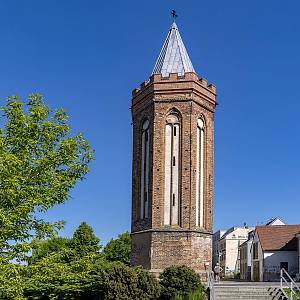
<point x="217" y="272"/>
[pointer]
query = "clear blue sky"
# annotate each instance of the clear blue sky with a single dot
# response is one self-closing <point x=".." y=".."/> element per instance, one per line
<point x="87" y="56"/>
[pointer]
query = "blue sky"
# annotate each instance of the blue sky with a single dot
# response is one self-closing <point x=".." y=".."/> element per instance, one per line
<point x="87" y="56"/>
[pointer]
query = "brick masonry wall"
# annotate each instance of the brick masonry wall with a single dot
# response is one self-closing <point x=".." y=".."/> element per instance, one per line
<point x="191" y="98"/>
<point x="157" y="250"/>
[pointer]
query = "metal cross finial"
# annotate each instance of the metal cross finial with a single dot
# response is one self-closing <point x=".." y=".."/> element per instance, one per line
<point x="174" y="14"/>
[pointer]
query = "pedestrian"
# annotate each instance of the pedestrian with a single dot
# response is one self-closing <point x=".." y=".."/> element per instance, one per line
<point x="217" y="272"/>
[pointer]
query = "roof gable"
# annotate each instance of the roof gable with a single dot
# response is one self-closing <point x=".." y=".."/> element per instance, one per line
<point x="280" y="237"/>
<point x="275" y="221"/>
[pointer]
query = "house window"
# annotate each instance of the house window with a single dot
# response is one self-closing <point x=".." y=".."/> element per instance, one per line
<point x="144" y="189"/>
<point x="200" y="174"/>
<point x="172" y="152"/>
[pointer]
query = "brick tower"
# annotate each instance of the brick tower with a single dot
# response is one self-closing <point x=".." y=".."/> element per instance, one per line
<point x="173" y="163"/>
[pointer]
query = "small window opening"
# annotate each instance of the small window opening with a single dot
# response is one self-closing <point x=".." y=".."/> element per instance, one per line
<point x="174" y="131"/>
<point x="173" y="199"/>
<point x="174" y="161"/>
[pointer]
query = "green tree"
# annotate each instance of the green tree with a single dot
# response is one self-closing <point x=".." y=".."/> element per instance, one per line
<point x="42" y="248"/>
<point x="119" y="249"/>
<point x="40" y="162"/>
<point x="84" y="241"/>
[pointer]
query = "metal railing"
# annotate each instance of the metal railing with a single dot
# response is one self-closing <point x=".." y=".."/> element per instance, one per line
<point x="211" y="284"/>
<point x="287" y="283"/>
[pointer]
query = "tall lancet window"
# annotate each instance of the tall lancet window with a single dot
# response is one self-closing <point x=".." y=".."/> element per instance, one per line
<point x="144" y="196"/>
<point x="171" y="205"/>
<point x="200" y="174"/>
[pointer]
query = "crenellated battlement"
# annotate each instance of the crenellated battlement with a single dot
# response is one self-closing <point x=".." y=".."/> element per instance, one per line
<point x="175" y="77"/>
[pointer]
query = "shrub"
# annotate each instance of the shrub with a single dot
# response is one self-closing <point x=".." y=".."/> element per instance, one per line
<point x="90" y="277"/>
<point x="117" y="281"/>
<point x="148" y="285"/>
<point x="179" y="281"/>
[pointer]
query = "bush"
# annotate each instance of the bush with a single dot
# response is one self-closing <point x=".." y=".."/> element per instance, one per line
<point x="90" y="278"/>
<point x="179" y="281"/>
<point x="117" y="281"/>
<point x="147" y="285"/>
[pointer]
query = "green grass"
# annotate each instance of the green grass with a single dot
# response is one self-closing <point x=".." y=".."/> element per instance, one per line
<point x="196" y="295"/>
<point x="295" y="297"/>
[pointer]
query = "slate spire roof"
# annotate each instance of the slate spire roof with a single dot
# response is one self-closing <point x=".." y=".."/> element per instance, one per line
<point x="173" y="57"/>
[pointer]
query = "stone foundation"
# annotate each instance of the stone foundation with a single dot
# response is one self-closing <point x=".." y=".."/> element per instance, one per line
<point x="156" y="250"/>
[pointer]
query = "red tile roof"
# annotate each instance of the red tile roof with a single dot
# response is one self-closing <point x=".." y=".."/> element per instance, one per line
<point x="278" y="237"/>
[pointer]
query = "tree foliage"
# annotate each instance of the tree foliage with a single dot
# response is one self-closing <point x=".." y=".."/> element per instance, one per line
<point x="42" y="248"/>
<point x="11" y="281"/>
<point x="40" y="162"/>
<point x="119" y="249"/>
<point x="58" y="271"/>
<point x="84" y="241"/>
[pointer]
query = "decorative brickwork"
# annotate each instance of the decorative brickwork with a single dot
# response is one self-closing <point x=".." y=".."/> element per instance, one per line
<point x="154" y="245"/>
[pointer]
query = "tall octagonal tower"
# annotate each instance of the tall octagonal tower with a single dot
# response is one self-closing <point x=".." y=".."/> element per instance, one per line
<point x="173" y="163"/>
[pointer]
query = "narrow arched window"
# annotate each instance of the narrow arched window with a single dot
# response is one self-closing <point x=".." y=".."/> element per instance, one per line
<point x="172" y="147"/>
<point x="144" y="190"/>
<point x="200" y="174"/>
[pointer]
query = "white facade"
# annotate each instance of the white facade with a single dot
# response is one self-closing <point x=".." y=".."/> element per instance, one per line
<point x="274" y="261"/>
<point x="229" y="247"/>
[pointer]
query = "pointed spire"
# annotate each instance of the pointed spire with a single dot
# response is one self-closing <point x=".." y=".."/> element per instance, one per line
<point x="173" y="57"/>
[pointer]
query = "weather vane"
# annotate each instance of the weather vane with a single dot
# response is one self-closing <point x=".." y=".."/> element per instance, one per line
<point x="174" y="14"/>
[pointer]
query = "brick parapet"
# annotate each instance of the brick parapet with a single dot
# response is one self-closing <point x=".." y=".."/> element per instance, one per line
<point x="160" y="88"/>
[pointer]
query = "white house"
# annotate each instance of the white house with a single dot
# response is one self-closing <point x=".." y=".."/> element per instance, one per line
<point x="245" y="250"/>
<point x="229" y="249"/>
<point x="273" y="248"/>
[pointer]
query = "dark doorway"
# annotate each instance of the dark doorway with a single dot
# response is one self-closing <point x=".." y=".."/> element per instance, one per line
<point x="284" y="265"/>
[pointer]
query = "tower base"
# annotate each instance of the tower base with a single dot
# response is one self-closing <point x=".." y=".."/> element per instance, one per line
<point x="156" y="250"/>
